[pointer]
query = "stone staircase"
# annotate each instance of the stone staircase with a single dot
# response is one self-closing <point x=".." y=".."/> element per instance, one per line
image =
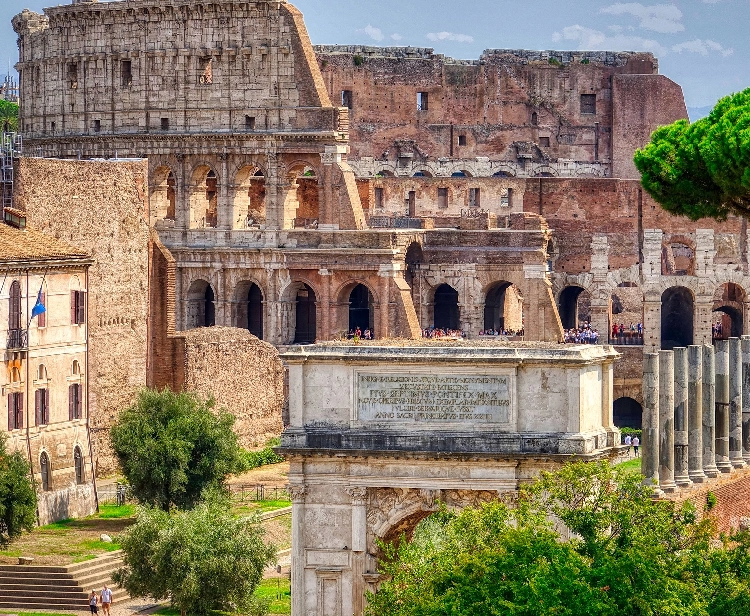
<point x="32" y="588"/>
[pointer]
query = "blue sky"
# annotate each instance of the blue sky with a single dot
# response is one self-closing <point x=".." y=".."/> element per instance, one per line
<point x="701" y="44"/>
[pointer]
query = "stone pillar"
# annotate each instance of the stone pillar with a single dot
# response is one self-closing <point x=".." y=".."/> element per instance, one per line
<point x="359" y="545"/>
<point x="709" y="412"/>
<point x="735" y="403"/>
<point x="650" y="444"/>
<point x="746" y="397"/>
<point x="323" y="307"/>
<point x="722" y="406"/>
<point x="666" y="421"/>
<point x="681" y="471"/>
<point x="297" y="492"/>
<point x="695" y="414"/>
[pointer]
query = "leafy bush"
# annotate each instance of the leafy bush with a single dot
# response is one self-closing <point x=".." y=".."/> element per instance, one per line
<point x="266" y="456"/>
<point x="632" y="432"/>
<point x="17" y="496"/>
<point x="358" y="60"/>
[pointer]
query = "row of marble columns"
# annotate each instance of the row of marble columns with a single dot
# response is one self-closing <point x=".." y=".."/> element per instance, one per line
<point x="696" y="413"/>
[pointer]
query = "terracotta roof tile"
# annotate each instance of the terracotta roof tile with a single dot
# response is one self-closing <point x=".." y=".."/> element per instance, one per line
<point x="31" y="245"/>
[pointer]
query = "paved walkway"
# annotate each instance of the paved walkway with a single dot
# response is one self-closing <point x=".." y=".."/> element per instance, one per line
<point x="129" y="607"/>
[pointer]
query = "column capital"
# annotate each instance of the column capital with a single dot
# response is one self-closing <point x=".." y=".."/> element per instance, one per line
<point x="297" y="492"/>
<point x="358" y="494"/>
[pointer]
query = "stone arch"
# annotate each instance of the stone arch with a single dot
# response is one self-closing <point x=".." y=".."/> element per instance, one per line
<point x="357" y="304"/>
<point x="163" y="197"/>
<point x="503" y="308"/>
<point x="201" y="305"/>
<point x="422" y="173"/>
<point x="677" y="313"/>
<point x="446" y="311"/>
<point x="462" y="173"/>
<point x="248" y="307"/>
<point x="301" y="196"/>
<point x="249" y="197"/>
<point x="626" y="308"/>
<point x="292" y="319"/>
<point x="574" y="305"/>
<point x="504" y="171"/>
<point x="728" y="310"/>
<point x="45" y="471"/>
<point x="204" y="195"/>
<point x="544" y="171"/>
<point x="627" y="413"/>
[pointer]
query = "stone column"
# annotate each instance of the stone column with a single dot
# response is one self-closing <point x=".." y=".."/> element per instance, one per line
<point x="709" y="412"/>
<point x="695" y="414"/>
<point x="359" y="545"/>
<point x="681" y="475"/>
<point x="650" y="444"/>
<point x="666" y="421"/>
<point x="722" y="406"/>
<point x="735" y="403"/>
<point x="297" y="492"/>
<point x="746" y="398"/>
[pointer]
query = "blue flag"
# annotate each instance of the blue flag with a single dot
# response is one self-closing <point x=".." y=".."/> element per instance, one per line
<point x="39" y="306"/>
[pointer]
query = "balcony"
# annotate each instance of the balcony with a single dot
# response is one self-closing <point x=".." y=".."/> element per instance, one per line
<point x="18" y="340"/>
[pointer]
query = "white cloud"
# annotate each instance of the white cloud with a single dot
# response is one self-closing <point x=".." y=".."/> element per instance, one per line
<point x="587" y="39"/>
<point x="450" y="36"/>
<point x="376" y="34"/>
<point x="396" y="37"/>
<point x="662" y="18"/>
<point x="703" y="47"/>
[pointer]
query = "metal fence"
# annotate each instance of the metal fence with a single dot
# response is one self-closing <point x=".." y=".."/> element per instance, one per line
<point x="119" y="494"/>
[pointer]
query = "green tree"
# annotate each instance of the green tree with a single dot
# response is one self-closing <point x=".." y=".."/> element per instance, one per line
<point x="17" y="496"/>
<point x="627" y="555"/>
<point x="702" y="169"/>
<point x="8" y="116"/>
<point x="202" y="560"/>
<point x="171" y="447"/>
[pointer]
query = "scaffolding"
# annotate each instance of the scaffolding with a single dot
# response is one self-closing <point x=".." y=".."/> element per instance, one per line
<point x="10" y="149"/>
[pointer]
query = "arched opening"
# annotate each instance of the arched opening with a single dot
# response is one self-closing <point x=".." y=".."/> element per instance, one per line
<point x="446" y="308"/>
<point x="503" y="310"/>
<point x="727" y="318"/>
<point x="306" y="317"/>
<point x="575" y="307"/>
<point x="361" y="311"/>
<point x="534" y="118"/>
<point x="249" y="198"/>
<point x="627" y="413"/>
<point x="255" y="311"/>
<point x="201" y="308"/>
<point x="163" y="198"/>
<point x="626" y="315"/>
<point x="302" y="202"/>
<point x="204" y="204"/>
<point x="422" y="173"/>
<point x="677" y="259"/>
<point x="461" y="174"/>
<point x="14" y="307"/>
<point x="676" y="318"/>
<point x="78" y="460"/>
<point x="46" y="472"/>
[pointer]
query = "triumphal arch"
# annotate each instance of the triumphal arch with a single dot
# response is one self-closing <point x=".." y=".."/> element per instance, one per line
<point x="381" y="435"/>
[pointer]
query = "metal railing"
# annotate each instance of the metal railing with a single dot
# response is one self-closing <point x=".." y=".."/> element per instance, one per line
<point x="17" y="339"/>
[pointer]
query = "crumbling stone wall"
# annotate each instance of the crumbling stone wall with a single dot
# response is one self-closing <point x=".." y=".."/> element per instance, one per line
<point x="101" y="208"/>
<point x="243" y="374"/>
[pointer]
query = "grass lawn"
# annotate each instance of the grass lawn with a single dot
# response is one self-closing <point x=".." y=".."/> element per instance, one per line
<point x="634" y="464"/>
<point x="245" y="508"/>
<point x="41" y="614"/>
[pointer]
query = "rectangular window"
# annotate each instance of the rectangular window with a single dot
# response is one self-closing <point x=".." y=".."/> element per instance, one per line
<point x="75" y="401"/>
<point x="442" y="198"/>
<point x="411" y="203"/>
<point x="249" y="122"/>
<point x="462" y="140"/>
<point x="588" y="103"/>
<point x="41" y="320"/>
<point x="544" y="142"/>
<point x="506" y="197"/>
<point x="97" y="126"/>
<point x="165" y="123"/>
<point x="41" y="405"/>
<point x="473" y="197"/>
<point x="205" y="71"/>
<point x="15" y="411"/>
<point x="77" y="307"/>
<point x="53" y="128"/>
<point x="423" y="101"/>
<point x="378" y="198"/>
<point x="347" y="99"/>
<point x="126" y="71"/>
<point x="73" y="75"/>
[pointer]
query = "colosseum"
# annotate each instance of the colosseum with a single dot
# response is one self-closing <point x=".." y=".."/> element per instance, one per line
<point x="302" y="192"/>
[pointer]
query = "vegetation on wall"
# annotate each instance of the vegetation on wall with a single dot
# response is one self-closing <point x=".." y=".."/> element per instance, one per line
<point x="8" y="117"/>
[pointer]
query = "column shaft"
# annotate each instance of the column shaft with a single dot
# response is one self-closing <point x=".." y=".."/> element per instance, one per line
<point x="650" y="444"/>
<point x="298" y="550"/>
<point x="735" y="403"/>
<point x="722" y="406"/>
<point x="695" y="414"/>
<point x="709" y="412"/>
<point x="746" y="398"/>
<point x="359" y="546"/>
<point x="666" y="421"/>
<point x="681" y="466"/>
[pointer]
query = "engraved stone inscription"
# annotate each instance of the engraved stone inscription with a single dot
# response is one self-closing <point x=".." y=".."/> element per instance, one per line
<point x="433" y="398"/>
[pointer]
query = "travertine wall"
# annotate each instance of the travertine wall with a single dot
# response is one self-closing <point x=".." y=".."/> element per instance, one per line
<point x="100" y="207"/>
<point x="243" y="374"/>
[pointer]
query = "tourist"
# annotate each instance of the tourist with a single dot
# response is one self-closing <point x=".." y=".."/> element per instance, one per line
<point x="628" y="442"/>
<point x="584" y="334"/>
<point x="93" y="601"/>
<point x="106" y="596"/>
<point x="636" y="443"/>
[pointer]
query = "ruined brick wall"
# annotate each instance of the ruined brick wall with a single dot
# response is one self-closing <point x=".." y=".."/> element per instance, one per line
<point x="100" y="207"/>
<point x="732" y="499"/>
<point x="243" y="374"/>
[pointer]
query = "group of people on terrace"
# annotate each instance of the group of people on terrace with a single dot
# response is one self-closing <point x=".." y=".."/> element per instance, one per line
<point x="583" y="334"/>
<point x="511" y="333"/>
<point x="436" y="332"/>
<point x="358" y="334"/>
<point x="627" y="335"/>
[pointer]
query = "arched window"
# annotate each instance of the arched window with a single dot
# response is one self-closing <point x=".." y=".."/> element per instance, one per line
<point x="360" y="309"/>
<point x="676" y="318"/>
<point x="627" y="413"/>
<point x="306" y="319"/>
<point x="78" y="459"/>
<point x="46" y="472"/>
<point x="255" y="311"/>
<point x="575" y="307"/>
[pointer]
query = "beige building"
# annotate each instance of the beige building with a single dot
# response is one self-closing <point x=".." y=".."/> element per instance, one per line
<point x="46" y="366"/>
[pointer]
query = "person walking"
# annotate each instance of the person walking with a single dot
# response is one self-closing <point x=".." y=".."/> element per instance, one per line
<point x="636" y="443"/>
<point x="628" y="442"/>
<point x="106" y="596"/>
<point x="93" y="602"/>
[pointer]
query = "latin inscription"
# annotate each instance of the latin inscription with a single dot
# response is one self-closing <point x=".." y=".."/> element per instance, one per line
<point x="433" y="398"/>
